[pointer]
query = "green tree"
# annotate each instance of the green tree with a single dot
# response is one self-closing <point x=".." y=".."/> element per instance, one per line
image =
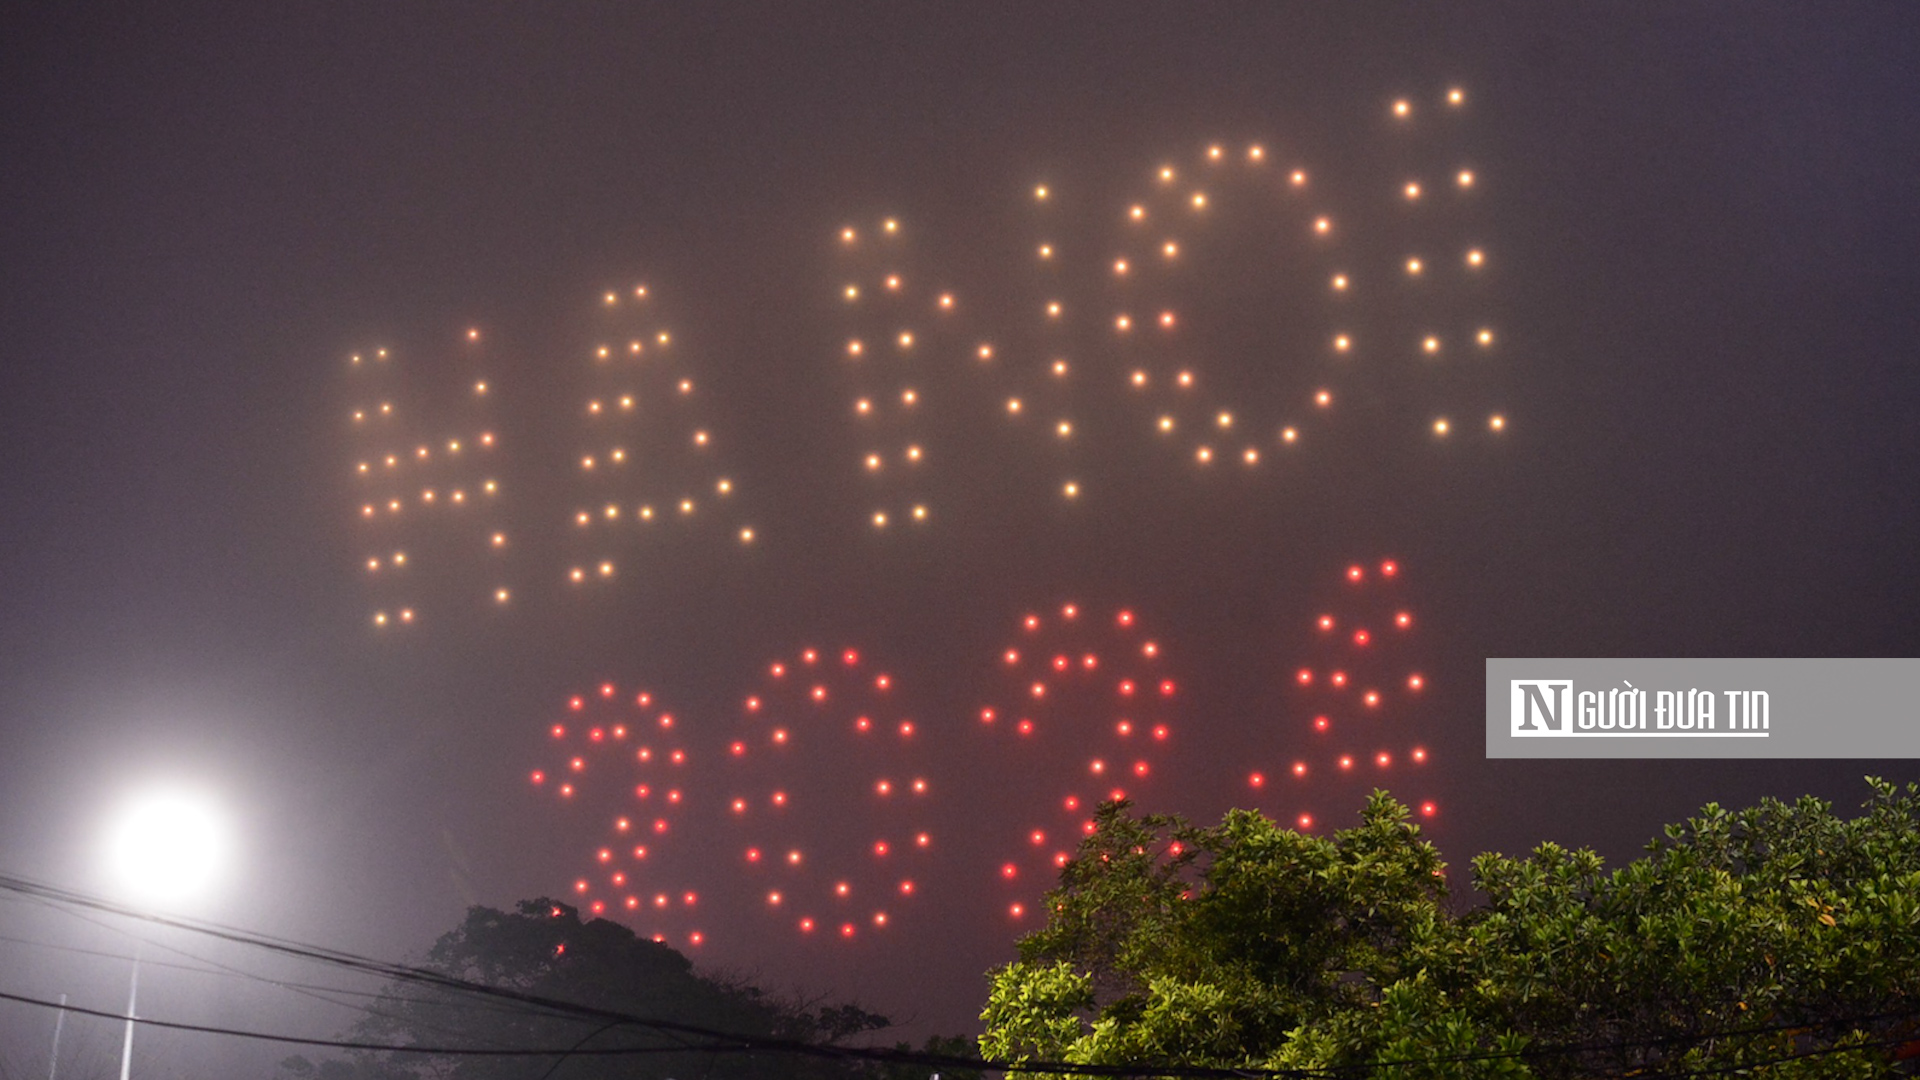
<point x="1780" y="939"/>
<point x="544" y="950"/>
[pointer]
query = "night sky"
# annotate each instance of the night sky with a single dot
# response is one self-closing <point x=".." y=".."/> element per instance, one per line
<point x="1698" y="239"/>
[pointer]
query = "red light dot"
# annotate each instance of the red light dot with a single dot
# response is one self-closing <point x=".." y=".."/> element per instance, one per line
<point x="986" y="716"/>
<point x="1255" y="780"/>
<point x="849" y="658"/>
<point x="577" y="764"/>
<point x="819" y="693"/>
<point x="1126" y="688"/>
<point x="1037" y="837"/>
<point x="632" y="903"/>
<point x="1304" y="677"/>
<point x="539" y="777"/>
<point x="1039" y="690"/>
<point x="1125" y="618"/>
<point x="1346" y="763"/>
<point x="1069" y="612"/>
<point x="1123" y="728"/>
<point x="806" y="926"/>
<point x="621" y="825"/>
<point x="1305" y="821"/>
<point x="695" y="938"/>
<point x="660" y="825"/>
<point x="1139" y="768"/>
<point x="576" y="704"/>
<point x="923" y="839"/>
<point x="883" y="788"/>
<point x="919" y="786"/>
<point x="666" y="720"/>
<point x="673" y="796"/>
<point x="1032" y="622"/>
<point x="880" y="849"/>
<point x="1355" y="573"/>
<point x="1403" y="620"/>
<point x="559" y="732"/>
<point x="778" y="670"/>
<point x="753" y="854"/>
<point x="606" y="690"/>
<point x="1096" y="766"/>
<point x="1428" y="809"/>
<point x="642" y="791"/>
<point x="738" y="748"/>
<point x="580" y="886"/>
<point x="906" y="888"/>
<point x="640" y="853"/>
<point x="1419" y="754"/>
<point x="1338" y="678"/>
<point x="678" y="757"/>
<point x="1160" y="732"/>
<point x="739" y="806"/>
<point x="780" y="735"/>
<point x="753" y="704"/>
<point x="1016" y="910"/>
<point x="841" y="888"/>
<point x="846" y="930"/>
<point x="597" y="907"/>
<point x="881" y="682"/>
<point x="1009" y="871"/>
<point x="862" y="724"/>
<point x="1089" y="828"/>
<point x="809" y="656"/>
<point x="1061" y="858"/>
<point x="779" y="798"/>
<point x="793" y="858"/>
<point x="1372" y="698"/>
<point x="1320" y="723"/>
<point x="1326" y="622"/>
<point x="1060" y="663"/>
<point x="1299" y="768"/>
<point x="906" y="729"/>
<point x="1383" y="760"/>
<point x="1166" y="688"/>
<point x="1361" y="637"/>
<point x="643" y="699"/>
<point x="1389" y="568"/>
<point x="1025" y="727"/>
<point x="596" y="735"/>
<point x="1415" y="682"/>
<point x="1071" y="802"/>
<point x="690" y="899"/>
<point x="566" y="791"/>
<point x="603" y="855"/>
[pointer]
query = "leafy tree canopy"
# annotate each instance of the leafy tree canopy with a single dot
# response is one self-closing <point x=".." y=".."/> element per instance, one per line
<point x="544" y="950"/>
<point x="1779" y="941"/>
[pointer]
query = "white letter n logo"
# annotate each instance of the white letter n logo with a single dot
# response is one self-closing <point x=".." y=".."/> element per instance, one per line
<point x="1544" y="698"/>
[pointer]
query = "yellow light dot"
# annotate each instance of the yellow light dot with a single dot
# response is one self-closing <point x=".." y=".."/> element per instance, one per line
<point x="1063" y="429"/>
<point x="1251" y="456"/>
<point x="501" y="596"/>
<point x="1339" y="282"/>
<point x="985" y="352"/>
<point x="1166" y="423"/>
<point x="724" y="486"/>
<point x="1412" y="191"/>
<point x="1046" y="251"/>
<point x="854" y="347"/>
<point x="1040" y="193"/>
<point x="406" y="614"/>
<point x="1465" y="179"/>
<point x="1139" y="378"/>
<point x="746" y="536"/>
<point x="946" y="300"/>
<point x="639" y="292"/>
<point x="1485" y="337"/>
<point x="473" y="335"/>
<point x="919" y="513"/>
<point x="909" y="398"/>
<point x="593" y="408"/>
<point x="1053" y="310"/>
<point x="646" y="513"/>
<point x="1475" y="257"/>
<point x="1170" y="250"/>
<point x="499" y="540"/>
<point x="359" y="416"/>
<point x="848" y="236"/>
<point x="612" y="511"/>
<point x="1402" y="108"/>
<point x="601" y="352"/>
<point x="1123" y="323"/>
<point x="586" y="463"/>
<point x="913" y="453"/>
<point x="1288" y="435"/>
<point x="612" y="298"/>
<point x="373" y="564"/>
<point x="879" y="519"/>
<point x="1225" y="420"/>
<point x="1414" y="267"/>
<point x="873" y="462"/>
<point x="426" y="495"/>
<point x="893" y="283"/>
<point x="1440" y="426"/>
<point x="480" y="388"/>
<point x="863" y="406"/>
<point x="379" y="618"/>
<point x="662" y="337"/>
<point x="686" y="506"/>
<point x="1137" y="212"/>
<point x="490" y="487"/>
<point x="386" y="408"/>
<point x="1299" y="178"/>
<point x="1166" y="174"/>
<point x="1323" y="399"/>
<point x="1059" y="369"/>
<point x="890" y="225"/>
<point x="1199" y="200"/>
<point x="606" y="569"/>
<point x="626" y="402"/>
<point x="1071" y="490"/>
<point x="1184" y="379"/>
<point x="1456" y="96"/>
<point x="1256" y="152"/>
<point x="1497" y="422"/>
<point x="1120" y="267"/>
<point x="1214" y="152"/>
<point x="363" y="467"/>
<point x="906" y="339"/>
<point x="1204" y="455"/>
<point x="699" y="438"/>
<point x="686" y="386"/>
<point x="1430" y="344"/>
<point x="582" y="518"/>
<point x="1013" y="405"/>
<point x="453" y="446"/>
<point x="851" y="292"/>
<point x="1323" y="225"/>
